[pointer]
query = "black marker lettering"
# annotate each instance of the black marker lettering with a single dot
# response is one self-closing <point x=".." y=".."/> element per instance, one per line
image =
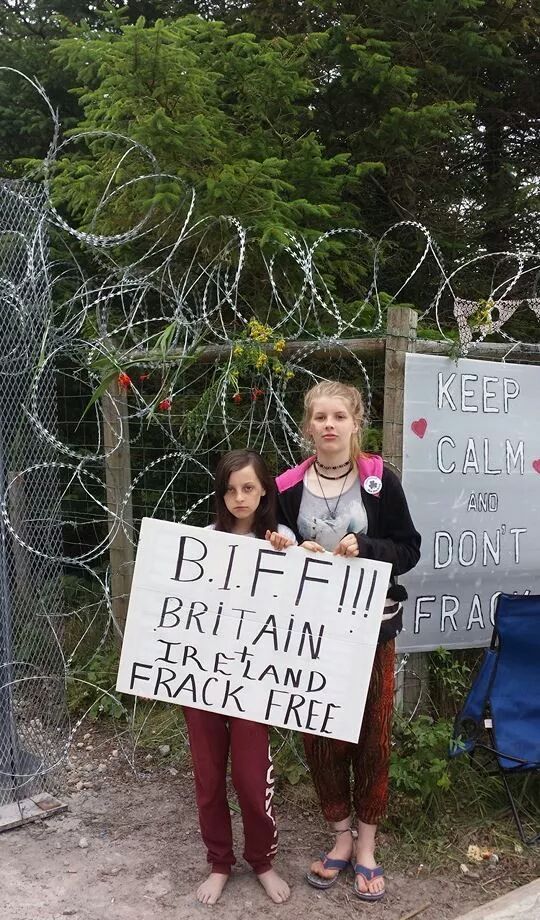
<point x="314" y="649"/>
<point x="168" y="649"/>
<point x="328" y="718"/>
<point x="190" y="653"/>
<point x="359" y="588"/>
<point x="296" y="701"/>
<point x="305" y="577"/>
<point x="225" y="587"/>
<point x="371" y="590"/>
<point x="270" y="629"/>
<point x="310" y="687"/>
<point x="270" y="669"/>
<point x="187" y="684"/>
<point x="271" y="702"/>
<point x="293" y="677"/>
<point x="160" y="681"/>
<point x="311" y="713"/>
<point x="217" y="663"/>
<point x="135" y="676"/>
<point x="165" y="612"/>
<point x="182" y="558"/>
<point x="259" y="569"/>
<point x="195" y="616"/>
<point x="205" y="685"/>
<point x="231" y="694"/>
<point x="218" y="618"/>
<point x="344" y="588"/>
<point x="289" y="634"/>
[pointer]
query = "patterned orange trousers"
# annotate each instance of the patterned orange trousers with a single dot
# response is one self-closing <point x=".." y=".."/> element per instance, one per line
<point x="334" y="763"/>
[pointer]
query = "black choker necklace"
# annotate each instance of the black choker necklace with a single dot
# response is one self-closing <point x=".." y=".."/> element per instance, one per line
<point x="340" y="466"/>
<point x="333" y="478"/>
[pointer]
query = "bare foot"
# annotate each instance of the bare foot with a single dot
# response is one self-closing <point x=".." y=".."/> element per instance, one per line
<point x="276" y="887"/>
<point x="342" y="849"/>
<point x="375" y="885"/>
<point x="210" y="890"/>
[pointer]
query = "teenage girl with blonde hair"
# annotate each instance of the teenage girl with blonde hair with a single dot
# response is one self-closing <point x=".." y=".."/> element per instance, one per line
<point x="347" y="502"/>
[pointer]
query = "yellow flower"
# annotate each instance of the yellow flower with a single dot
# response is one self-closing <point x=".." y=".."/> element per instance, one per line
<point x="237" y="351"/>
<point x="289" y="374"/>
<point x="261" y="360"/>
<point x="279" y="346"/>
<point x="278" y="367"/>
<point x="259" y="331"/>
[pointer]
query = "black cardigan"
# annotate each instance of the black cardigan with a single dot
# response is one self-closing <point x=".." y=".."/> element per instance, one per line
<point x="391" y="535"/>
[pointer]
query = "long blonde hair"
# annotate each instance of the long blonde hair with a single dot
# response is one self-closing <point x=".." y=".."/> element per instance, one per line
<point x="333" y="389"/>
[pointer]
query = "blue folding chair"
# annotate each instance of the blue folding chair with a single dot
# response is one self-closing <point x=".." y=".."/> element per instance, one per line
<point x="504" y="700"/>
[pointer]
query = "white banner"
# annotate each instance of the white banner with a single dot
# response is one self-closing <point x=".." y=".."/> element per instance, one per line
<point x="227" y="624"/>
<point x="471" y="474"/>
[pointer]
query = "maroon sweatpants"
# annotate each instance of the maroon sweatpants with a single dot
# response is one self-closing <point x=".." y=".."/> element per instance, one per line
<point x="211" y="736"/>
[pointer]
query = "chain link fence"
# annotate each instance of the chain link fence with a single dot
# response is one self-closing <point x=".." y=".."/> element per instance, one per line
<point x="59" y="521"/>
<point x="33" y="717"/>
<point x="171" y="459"/>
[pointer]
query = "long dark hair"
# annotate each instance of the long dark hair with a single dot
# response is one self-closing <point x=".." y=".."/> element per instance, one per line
<point x="266" y="514"/>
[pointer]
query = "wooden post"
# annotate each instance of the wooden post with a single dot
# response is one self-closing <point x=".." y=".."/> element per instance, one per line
<point x="400" y="339"/>
<point x="118" y="481"/>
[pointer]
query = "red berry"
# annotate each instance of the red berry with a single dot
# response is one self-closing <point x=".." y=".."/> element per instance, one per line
<point x="124" y="380"/>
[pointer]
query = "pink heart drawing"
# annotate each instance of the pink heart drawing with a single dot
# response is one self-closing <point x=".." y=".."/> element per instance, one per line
<point x="536" y="465"/>
<point x="419" y="427"/>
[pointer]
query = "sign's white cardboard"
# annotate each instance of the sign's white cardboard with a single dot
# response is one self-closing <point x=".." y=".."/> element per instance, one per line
<point x="227" y="624"/>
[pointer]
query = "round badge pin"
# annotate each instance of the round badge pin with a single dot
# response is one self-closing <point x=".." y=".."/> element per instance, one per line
<point x="372" y="485"/>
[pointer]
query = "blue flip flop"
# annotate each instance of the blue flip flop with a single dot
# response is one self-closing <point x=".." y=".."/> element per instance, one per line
<point x="317" y="881"/>
<point x="368" y="875"/>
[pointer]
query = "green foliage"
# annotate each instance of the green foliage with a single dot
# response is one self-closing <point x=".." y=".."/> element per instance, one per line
<point x="372" y="440"/>
<point x="198" y="414"/>
<point x="419" y="766"/>
<point x="294" y="119"/>
<point x="288" y="755"/>
<point x="221" y="111"/>
<point x="91" y="690"/>
<point x="451" y="673"/>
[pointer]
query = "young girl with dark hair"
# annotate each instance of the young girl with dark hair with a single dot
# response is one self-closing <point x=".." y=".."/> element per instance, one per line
<point x="345" y="501"/>
<point x="245" y="495"/>
<point x="245" y="499"/>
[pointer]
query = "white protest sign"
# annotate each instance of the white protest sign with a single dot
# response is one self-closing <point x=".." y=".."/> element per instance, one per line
<point x="227" y="624"/>
<point x="471" y="474"/>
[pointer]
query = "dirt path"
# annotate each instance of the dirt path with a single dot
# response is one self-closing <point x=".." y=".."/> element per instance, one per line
<point x="143" y="858"/>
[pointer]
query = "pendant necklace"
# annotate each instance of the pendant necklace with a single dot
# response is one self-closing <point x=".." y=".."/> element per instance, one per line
<point x="331" y="511"/>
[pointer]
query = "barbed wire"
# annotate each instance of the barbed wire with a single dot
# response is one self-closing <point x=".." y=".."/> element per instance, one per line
<point x="152" y="297"/>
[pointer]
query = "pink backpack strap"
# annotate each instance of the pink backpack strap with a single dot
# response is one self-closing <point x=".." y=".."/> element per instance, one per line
<point x="291" y="477"/>
<point x="370" y="471"/>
